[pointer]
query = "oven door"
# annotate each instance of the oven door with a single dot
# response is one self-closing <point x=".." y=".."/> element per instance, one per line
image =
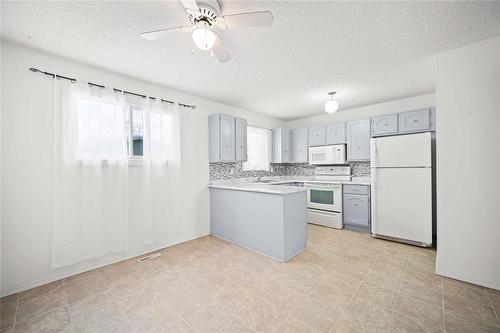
<point x="325" y="198"/>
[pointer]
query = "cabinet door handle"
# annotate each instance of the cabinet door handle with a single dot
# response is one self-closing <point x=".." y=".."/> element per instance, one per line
<point x="415" y="121"/>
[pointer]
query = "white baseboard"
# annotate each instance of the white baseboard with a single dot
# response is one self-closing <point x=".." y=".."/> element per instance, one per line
<point x="487" y="284"/>
<point x="56" y="277"/>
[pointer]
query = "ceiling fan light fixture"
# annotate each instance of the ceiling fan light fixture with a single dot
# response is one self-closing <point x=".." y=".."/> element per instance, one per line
<point x="203" y="37"/>
<point x="332" y="105"/>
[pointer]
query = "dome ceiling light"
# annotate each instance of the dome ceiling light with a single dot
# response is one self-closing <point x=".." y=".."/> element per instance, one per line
<point x="203" y="37"/>
<point x="332" y="105"/>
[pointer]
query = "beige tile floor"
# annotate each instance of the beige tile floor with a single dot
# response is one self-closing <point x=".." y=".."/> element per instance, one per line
<point x="343" y="282"/>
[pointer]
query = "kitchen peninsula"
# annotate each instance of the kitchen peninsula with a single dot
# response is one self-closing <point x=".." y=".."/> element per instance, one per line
<point x="268" y="219"/>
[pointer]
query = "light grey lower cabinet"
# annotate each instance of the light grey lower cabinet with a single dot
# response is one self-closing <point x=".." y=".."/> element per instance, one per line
<point x="357" y="207"/>
<point x="282" y="145"/>
<point x="384" y="125"/>
<point x="317" y="136"/>
<point x="299" y="143"/>
<point x="241" y="139"/>
<point x="335" y="134"/>
<point x="358" y="140"/>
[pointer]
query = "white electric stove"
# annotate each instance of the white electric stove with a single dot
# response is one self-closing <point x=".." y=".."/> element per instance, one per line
<point x="324" y="199"/>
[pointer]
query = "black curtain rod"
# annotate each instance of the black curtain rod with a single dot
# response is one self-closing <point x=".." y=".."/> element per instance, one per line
<point x="187" y="106"/>
<point x="162" y="100"/>
<point x="100" y="86"/>
<point x="90" y="84"/>
<point x="56" y="76"/>
<point x="144" y="96"/>
<point x="129" y="93"/>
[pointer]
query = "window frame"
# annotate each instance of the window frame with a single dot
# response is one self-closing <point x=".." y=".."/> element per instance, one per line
<point x="134" y="160"/>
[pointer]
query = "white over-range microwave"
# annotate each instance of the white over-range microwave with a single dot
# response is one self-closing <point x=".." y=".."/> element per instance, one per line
<point x="327" y="155"/>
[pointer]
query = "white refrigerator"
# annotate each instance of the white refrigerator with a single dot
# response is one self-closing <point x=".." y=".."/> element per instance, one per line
<point x="401" y="169"/>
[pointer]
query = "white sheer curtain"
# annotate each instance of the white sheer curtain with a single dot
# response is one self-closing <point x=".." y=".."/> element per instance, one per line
<point x="258" y="152"/>
<point x="90" y="173"/>
<point x="160" y="175"/>
<point x="101" y="191"/>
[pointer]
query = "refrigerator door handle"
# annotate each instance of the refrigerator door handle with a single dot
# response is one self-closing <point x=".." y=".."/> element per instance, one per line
<point x="375" y="153"/>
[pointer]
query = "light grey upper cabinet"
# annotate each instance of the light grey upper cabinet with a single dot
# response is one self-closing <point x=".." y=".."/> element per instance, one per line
<point x="415" y="121"/>
<point x="299" y="140"/>
<point x="317" y="136"/>
<point x="241" y="139"/>
<point x="385" y="125"/>
<point x="287" y="145"/>
<point x="335" y="134"/>
<point x="358" y="140"/>
<point x="227" y="138"/>
<point x="282" y="145"/>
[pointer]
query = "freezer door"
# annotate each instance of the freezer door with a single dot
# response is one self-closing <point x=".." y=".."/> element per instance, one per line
<point x="412" y="150"/>
<point x="402" y="204"/>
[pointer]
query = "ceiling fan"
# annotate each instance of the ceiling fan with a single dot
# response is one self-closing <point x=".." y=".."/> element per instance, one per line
<point x="204" y="16"/>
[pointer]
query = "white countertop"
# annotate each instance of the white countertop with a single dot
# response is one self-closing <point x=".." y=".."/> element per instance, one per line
<point x="279" y="184"/>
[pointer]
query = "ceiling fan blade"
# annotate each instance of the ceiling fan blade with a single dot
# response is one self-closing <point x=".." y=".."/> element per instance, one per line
<point x="156" y="34"/>
<point x="244" y="20"/>
<point x="220" y="51"/>
<point x="190" y="5"/>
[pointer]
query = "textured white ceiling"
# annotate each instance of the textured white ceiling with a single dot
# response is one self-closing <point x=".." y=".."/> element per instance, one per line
<point x="368" y="51"/>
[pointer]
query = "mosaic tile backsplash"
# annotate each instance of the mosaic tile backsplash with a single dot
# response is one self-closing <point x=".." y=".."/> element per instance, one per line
<point x="235" y="170"/>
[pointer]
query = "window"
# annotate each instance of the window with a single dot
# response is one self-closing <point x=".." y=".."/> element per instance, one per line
<point x="100" y="131"/>
<point x="258" y="149"/>
<point x="136" y="131"/>
<point x="161" y="136"/>
<point x="106" y="129"/>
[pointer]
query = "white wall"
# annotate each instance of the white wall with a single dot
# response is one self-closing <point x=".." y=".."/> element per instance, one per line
<point x="1" y="224"/>
<point x="399" y="105"/>
<point x="26" y="130"/>
<point x="468" y="163"/>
